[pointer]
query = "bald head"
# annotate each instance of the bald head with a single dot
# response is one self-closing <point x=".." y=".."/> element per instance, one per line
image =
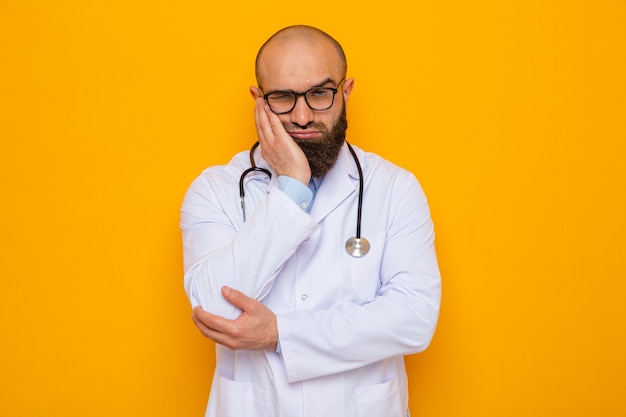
<point x="305" y="36"/>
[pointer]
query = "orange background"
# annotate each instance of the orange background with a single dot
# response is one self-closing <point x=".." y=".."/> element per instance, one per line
<point x="511" y="113"/>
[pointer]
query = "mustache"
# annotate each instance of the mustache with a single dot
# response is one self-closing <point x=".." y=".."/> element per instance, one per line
<point x="292" y="127"/>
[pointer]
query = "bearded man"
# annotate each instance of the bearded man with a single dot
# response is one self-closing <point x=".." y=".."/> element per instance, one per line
<point x="304" y="323"/>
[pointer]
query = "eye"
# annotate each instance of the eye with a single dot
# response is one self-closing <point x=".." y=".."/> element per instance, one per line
<point x="319" y="92"/>
<point x="281" y="96"/>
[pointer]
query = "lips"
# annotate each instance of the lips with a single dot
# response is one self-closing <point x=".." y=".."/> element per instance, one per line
<point x="305" y="134"/>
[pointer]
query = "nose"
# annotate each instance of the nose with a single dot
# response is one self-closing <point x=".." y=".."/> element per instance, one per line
<point x="301" y="114"/>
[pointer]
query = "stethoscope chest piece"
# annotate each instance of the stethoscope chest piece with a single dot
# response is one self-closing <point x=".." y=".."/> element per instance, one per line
<point x="357" y="247"/>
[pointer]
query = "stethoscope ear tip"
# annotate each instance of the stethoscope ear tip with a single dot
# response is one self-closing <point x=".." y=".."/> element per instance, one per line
<point x="357" y="247"/>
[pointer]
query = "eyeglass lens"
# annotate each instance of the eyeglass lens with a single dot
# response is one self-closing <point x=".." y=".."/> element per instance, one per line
<point x="316" y="99"/>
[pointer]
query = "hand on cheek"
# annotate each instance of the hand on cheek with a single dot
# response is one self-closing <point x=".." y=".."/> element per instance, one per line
<point x="277" y="146"/>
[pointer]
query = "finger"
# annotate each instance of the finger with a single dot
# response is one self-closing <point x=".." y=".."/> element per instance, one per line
<point x="217" y="328"/>
<point x="275" y="124"/>
<point x="216" y="336"/>
<point x="202" y="320"/>
<point x="258" y="123"/>
<point x="258" y="117"/>
<point x="263" y="126"/>
<point x="196" y="317"/>
<point x="210" y="322"/>
<point x="199" y="316"/>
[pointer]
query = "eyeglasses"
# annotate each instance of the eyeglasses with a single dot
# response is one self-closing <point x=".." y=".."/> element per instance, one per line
<point x="317" y="98"/>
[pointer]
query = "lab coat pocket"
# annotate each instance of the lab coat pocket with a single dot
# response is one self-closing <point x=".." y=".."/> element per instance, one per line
<point x="236" y="399"/>
<point x="380" y="400"/>
<point x="365" y="271"/>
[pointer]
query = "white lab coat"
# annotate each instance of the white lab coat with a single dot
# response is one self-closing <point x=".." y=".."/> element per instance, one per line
<point x="344" y="323"/>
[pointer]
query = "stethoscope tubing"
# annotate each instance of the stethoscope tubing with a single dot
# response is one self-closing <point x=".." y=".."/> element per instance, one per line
<point x="253" y="168"/>
<point x="355" y="246"/>
<point x="360" y="201"/>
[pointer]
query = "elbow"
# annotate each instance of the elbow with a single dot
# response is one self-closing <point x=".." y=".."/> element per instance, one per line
<point x="423" y="328"/>
<point x="201" y="292"/>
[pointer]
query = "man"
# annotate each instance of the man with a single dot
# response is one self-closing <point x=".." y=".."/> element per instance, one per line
<point x="302" y="327"/>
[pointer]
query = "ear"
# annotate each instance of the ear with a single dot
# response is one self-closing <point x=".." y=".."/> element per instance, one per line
<point x="255" y="92"/>
<point x="348" y="85"/>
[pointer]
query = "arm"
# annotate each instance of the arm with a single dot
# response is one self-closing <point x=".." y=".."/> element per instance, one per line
<point x="254" y="329"/>
<point x="400" y="320"/>
<point x="220" y="251"/>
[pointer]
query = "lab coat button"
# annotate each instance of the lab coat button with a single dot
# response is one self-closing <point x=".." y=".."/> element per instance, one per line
<point x="304" y="297"/>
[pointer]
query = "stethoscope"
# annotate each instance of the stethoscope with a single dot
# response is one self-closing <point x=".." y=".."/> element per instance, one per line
<point x="356" y="246"/>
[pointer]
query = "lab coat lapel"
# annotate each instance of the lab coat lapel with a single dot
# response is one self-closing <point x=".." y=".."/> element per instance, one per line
<point x="339" y="183"/>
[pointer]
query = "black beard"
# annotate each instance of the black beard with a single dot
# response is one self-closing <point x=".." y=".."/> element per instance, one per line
<point x="322" y="153"/>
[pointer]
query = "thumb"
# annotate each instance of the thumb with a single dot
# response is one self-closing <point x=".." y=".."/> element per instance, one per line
<point x="237" y="298"/>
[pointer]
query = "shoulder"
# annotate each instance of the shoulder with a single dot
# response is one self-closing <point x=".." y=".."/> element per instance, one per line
<point x="214" y="179"/>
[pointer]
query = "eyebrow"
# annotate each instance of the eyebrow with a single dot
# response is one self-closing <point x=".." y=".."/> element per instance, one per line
<point x="323" y="83"/>
<point x="318" y="85"/>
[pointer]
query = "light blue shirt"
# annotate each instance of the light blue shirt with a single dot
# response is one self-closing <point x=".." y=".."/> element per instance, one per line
<point x="299" y="193"/>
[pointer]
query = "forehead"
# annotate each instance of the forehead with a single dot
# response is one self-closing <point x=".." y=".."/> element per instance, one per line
<point x="298" y="63"/>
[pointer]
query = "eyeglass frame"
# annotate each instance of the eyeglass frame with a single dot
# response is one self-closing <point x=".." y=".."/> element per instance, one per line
<point x="295" y="102"/>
